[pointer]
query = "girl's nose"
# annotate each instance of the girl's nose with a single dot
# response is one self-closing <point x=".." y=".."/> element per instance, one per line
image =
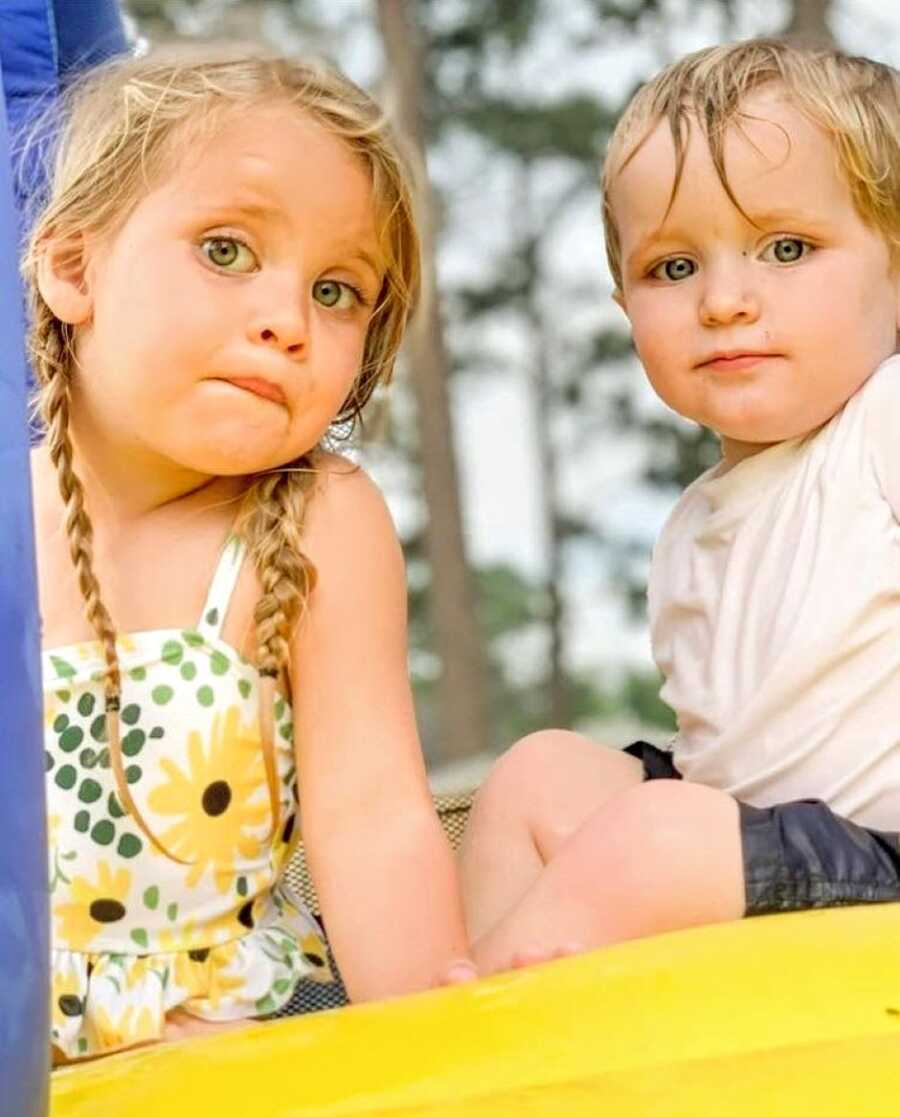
<point x="282" y="323"/>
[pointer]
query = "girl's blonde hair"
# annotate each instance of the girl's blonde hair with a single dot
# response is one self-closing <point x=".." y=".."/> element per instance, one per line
<point x="122" y="126"/>
<point x="854" y="100"/>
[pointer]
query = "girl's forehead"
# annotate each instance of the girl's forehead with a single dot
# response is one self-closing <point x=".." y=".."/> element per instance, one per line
<point x="275" y="154"/>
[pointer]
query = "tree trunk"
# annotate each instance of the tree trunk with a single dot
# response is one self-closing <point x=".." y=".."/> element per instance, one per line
<point x="530" y="236"/>
<point x="808" y="22"/>
<point x="452" y="598"/>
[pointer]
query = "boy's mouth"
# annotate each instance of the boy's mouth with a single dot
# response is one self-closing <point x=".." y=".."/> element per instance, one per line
<point x="735" y="360"/>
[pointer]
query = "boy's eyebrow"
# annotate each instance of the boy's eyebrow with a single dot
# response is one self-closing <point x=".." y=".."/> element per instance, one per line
<point x="786" y="215"/>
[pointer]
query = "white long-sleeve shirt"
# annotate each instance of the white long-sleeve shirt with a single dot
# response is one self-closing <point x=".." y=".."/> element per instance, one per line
<point x="775" y="616"/>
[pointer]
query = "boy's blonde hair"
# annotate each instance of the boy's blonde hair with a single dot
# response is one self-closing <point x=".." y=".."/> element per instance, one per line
<point x="124" y="125"/>
<point x="855" y="100"/>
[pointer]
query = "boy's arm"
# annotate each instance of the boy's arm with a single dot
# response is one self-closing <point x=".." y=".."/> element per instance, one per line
<point x="382" y="867"/>
<point x="882" y="418"/>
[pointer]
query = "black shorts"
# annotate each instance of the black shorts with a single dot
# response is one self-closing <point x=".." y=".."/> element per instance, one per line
<point x="802" y="855"/>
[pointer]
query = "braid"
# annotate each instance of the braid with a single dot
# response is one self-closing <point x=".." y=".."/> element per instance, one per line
<point x="273" y="526"/>
<point x="51" y="350"/>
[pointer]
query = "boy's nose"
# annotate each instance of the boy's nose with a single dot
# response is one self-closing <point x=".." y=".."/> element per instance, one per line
<point x="727" y="297"/>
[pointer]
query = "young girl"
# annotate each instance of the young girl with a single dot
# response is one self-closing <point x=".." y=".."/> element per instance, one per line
<point x="221" y="276"/>
<point x="752" y="208"/>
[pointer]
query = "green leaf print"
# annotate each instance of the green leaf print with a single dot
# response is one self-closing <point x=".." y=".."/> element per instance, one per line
<point x="98" y="728"/>
<point x="244" y="687"/>
<point x="205" y="696"/>
<point x="162" y="695"/>
<point x="151" y="898"/>
<point x="172" y="652"/>
<point x="172" y="912"/>
<point x="71" y="738"/>
<point x="138" y="674"/>
<point x="131" y="713"/>
<point x="218" y="663"/>
<point x="212" y="616"/>
<point x="86" y="705"/>
<point x="60" y="723"/>
<point x="129" y="846"/>
<point x="133" y="742"/>
<point x="64" y="695"/>
<point x="90" y="791"/>
<point x="192" y="638"/>
<point x="188" y="670"/>
<point x="66" y="777"/>
<point x="64" y="669"/>
<point x="139" y="935"/>
<point x="282" y="985"/>
<point x="265" y="1005"/>
<point x="104" y="832"/>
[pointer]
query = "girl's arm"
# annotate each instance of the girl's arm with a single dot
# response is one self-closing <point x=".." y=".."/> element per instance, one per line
<point x="383" y="869"/>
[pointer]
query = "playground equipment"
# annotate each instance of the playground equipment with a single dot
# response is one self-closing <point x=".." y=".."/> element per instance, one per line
<point x="782" y="1015"/>
<point x="38" y="40"/>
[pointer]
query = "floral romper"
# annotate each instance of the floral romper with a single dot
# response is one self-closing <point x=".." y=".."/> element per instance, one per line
<point x="136" y="933"/>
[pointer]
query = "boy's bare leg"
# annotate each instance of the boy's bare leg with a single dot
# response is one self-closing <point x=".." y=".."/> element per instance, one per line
<point x="658" y="856"/>
<point x="534" y="799"/>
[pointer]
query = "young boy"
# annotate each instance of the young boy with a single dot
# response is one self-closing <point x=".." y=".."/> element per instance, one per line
<point x="752" y="211"/>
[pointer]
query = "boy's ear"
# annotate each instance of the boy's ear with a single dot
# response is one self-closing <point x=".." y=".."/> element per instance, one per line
<point x="62" y="278"/>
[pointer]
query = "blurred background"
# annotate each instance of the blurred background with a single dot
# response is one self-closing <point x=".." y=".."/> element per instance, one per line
<point x="527" y="464"/>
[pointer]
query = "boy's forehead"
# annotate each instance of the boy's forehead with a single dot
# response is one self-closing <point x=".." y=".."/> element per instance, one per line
<point x="774" y="157"/>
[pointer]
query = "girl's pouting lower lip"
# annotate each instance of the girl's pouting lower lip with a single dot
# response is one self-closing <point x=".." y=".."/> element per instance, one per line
<point x="259" y="387"/>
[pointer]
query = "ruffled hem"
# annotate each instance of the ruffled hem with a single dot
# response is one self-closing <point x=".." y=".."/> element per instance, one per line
<point x="106" y="1002"/>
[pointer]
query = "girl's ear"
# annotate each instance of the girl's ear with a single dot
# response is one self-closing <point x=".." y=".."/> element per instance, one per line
<point x="62" y="279"/>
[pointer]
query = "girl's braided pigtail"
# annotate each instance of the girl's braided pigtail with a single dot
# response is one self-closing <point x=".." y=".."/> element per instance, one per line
<point x="272" y="525"/>
<point x="51" y="348"/>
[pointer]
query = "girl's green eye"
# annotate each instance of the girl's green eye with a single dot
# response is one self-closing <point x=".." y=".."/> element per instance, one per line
<point x="788" y="250"/>
<point x="679" y="267"/>
<point x="229" y="254"/>
<point x="332" y="294"/>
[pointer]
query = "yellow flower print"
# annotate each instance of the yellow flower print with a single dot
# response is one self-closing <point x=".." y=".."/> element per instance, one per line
<point x="220" y="799"/>
<point x="66" y="1000"/>
<point x="186" y="936"/>
<point x="52" y="708"/>
<point x="130" y="1026"/>
<point x="315" y="952"/>
<point x="95" y="904"/>
<point x="222" y="984"/>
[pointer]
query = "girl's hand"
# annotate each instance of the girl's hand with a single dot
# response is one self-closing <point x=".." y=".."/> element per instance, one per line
<point x="459" y="972"/>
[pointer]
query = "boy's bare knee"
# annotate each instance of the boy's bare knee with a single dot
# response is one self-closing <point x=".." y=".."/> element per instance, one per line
<point x="520" y="771"/>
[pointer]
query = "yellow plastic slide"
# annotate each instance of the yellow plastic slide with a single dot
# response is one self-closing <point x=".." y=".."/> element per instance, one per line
<point x="783" y="1015"/>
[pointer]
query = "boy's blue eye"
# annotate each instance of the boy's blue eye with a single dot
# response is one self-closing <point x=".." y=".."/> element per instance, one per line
<point x="229" y="254"/>
<point x="786" y="250"/>
<point x="679" y="267"/>
<point x="331" y="294"/>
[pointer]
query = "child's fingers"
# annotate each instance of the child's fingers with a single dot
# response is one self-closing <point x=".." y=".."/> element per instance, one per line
<point x="459" y="972"/>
